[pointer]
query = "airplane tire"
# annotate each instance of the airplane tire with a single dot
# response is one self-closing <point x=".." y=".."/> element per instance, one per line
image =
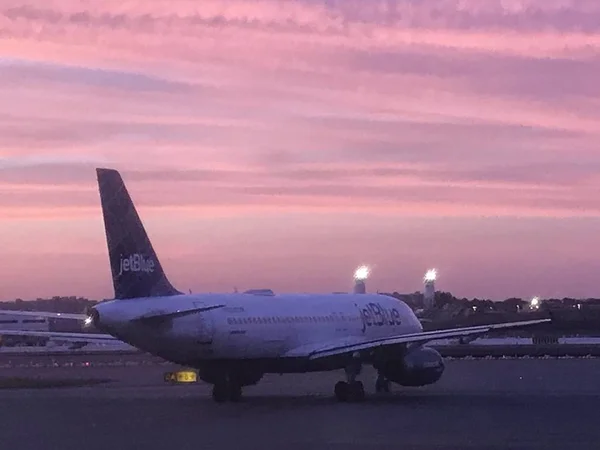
<point x="342" y="391"/>
<point x="235" y="394"/>
<point x="382" y="385"/>
<point x="357" y="391"/>
<point x="219" y="392"/>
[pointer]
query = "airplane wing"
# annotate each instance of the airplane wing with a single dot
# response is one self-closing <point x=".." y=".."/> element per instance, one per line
<point x="52" y="315"/>
<point x="89" y="338"/>
<point x="414" y="338"/>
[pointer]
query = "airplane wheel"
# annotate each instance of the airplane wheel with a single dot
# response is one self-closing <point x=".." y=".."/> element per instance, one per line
<point x="345" y="392"/>
<point x="219" y="392"/>
<point x="382" y="385"/>
<point x="357" y="391"/>
<point x="235" y="395"/>
<point x="342" y="391"/>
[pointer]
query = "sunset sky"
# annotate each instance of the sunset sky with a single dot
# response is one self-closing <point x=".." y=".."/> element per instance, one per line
<point x="279" y="144"/>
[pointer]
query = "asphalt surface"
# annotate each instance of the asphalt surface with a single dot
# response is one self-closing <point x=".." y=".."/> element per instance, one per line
<point x="478" y="404"/>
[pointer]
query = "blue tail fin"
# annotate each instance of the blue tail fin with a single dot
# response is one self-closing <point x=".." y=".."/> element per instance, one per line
<point x="136" y="270"/>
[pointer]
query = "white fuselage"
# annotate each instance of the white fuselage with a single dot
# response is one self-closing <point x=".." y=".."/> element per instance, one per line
<point x="250" y="326"/>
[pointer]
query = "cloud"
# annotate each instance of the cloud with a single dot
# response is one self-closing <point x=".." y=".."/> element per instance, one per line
<point x="13" y="166"/>
<point x="408" y="189"/>
<point x="325" y="16"/>
<point x="19" y="71"/>
<point x="520" y="77"/>
<point x="311" y="108"/>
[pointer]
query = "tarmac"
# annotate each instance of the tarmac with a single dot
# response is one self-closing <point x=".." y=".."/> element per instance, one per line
<point x="478" y="404"/>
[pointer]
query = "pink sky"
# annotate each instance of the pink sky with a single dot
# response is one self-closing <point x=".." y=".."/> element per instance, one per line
<point x="274" y="143"/>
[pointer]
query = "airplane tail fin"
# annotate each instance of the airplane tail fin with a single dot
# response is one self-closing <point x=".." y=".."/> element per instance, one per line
<point x="136" y="270"/>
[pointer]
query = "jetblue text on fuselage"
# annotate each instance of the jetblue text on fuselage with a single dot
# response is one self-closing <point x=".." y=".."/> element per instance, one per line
<point x="136" y="263"/>
<point x="376" y="315"/>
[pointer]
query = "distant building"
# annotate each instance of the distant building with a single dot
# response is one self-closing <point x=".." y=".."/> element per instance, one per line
<point x="359" y="287"/>
<point x="8" y="322"/>
<point x="429" y="294"/>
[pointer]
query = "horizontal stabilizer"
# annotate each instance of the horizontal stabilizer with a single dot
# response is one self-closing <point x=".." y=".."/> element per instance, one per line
<point x="63" y="336"/>
<point x="48" y="314"/>
<point x="159" y="317"/>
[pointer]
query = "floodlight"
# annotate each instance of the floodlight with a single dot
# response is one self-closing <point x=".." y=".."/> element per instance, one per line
<point x="362" y="273"/>
<point x="535" y="303"/>
<point x="430" y="275"/>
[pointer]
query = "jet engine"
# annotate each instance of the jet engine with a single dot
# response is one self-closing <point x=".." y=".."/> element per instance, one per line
<point x="418" y="367"/>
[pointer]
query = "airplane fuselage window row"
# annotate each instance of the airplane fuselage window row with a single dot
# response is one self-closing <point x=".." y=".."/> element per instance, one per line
<point x="290" y="319"/>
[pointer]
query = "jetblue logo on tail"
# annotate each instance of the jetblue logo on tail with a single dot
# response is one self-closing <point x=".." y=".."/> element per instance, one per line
<point x="136" y="263"/>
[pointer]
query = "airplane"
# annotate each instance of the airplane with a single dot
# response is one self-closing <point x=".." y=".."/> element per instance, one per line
<point x="233" y="339"/>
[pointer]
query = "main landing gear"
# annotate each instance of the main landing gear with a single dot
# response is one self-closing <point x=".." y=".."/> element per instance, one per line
<point x="226" y="389"/>
<point x="382" y="385"/>
<point x="353" y="390"/>
<point x="349" y="391"/>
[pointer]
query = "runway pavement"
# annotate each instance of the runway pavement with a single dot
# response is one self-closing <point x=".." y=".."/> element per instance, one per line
<point x="479" y="404"/>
